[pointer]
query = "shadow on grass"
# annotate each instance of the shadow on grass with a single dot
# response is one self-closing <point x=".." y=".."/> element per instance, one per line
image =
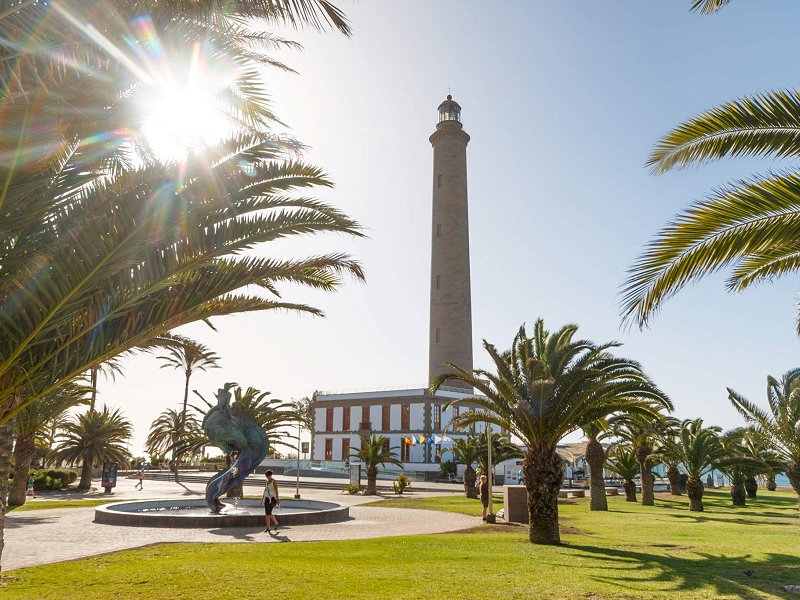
<point x="728" y="575"/>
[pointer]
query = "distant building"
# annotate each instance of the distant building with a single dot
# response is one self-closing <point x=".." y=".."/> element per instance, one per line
<point x="341" y="419"/>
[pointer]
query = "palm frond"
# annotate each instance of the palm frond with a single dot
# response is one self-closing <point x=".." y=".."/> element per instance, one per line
<point x="764" y="125"/>
<point x="742" y="221"/>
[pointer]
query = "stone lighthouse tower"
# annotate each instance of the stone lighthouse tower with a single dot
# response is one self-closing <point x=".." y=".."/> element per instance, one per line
<point x="451" y="300"/>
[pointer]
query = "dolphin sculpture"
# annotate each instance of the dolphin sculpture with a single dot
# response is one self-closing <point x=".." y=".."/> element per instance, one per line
<point x="240" y="437"/>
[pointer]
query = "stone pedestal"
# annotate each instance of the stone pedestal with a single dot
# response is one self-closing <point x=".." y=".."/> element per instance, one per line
<point x="515" y="503"/>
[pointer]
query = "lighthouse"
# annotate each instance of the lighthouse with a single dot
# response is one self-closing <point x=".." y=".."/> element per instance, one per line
<point x="450" y="336"/>
<point x="415" y="420"/>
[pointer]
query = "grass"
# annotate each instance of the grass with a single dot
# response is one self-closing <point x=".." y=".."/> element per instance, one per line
<point x="458" y="504"/>
<point x="47" y="504"/>
<point x="629" y="552"/>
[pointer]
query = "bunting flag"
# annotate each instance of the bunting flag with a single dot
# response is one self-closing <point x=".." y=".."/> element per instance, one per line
<point x="422" y="439"/>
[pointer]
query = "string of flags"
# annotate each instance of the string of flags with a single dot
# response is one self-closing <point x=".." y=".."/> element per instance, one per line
<point x="412" y="440"/>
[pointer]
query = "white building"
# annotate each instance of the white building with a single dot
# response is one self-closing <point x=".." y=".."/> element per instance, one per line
<point x="341" y="419"/>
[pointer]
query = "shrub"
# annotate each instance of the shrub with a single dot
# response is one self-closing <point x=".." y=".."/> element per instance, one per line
<point x="352" y="488"/>
<point x="448" y="467"/>
<point x="52" y="479"/>
<point x="402" y="483"/>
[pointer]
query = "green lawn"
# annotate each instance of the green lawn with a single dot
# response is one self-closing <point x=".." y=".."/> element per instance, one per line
<point x="458" y="504"/>
<point x="630" y="552"/>
<point x="45" y="504"/>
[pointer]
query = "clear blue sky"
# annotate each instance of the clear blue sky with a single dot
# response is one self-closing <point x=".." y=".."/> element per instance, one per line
<point x="563" y="101"/>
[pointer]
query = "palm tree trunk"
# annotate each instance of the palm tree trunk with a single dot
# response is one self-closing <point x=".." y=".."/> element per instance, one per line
<point x="85" y="483"/>
<point x="181" y="434"/>
<point x="648" y="479"/>
<point x="372" y="481"/>
<point x="542" y="473"/>
<point x="793" y="473"/>
<point x="771" y="485"/>
<point x="470" y="488"/>
<point x="93" y="378"/>
<point x="642" y="454"/>
<point x="24" y="451"/>
<point x="6" y="439"/>
<point x="751" y="486"/>
<point x="674" y="476"/>
<point x="738" y="494"/>
<point x="630" y="490"/>
<point x="595" y="457"/>
<point x="694" y="489"/>
<point x="236" y="491"/>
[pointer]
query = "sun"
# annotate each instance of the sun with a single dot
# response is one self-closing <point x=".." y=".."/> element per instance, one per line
<point x="182" y="118"/>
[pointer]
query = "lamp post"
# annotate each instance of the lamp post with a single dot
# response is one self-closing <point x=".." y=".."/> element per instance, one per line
<point x="297" y="485"/>
<point x="490" y="514"/>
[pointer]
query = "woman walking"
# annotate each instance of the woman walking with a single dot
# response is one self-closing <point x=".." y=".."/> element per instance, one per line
<point x="270" y="500"/>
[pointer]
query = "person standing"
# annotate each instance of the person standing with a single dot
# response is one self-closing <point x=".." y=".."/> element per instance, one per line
<point x="140" y="475"/>
<point x="484" y="495"/>
<point x="270" y="500"/>
<point x="30" y="491"/>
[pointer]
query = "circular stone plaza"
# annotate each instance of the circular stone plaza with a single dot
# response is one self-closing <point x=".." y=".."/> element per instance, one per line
<point x="37" y="537"/>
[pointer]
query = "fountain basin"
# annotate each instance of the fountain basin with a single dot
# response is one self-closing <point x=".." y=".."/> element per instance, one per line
<point x="193" y="512"/>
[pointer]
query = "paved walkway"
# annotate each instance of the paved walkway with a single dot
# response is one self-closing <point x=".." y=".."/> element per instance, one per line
<point x="53" y="535"/>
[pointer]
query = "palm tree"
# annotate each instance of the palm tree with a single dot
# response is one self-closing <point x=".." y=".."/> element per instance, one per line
<point x="623" y="462"/>
<point x="94" y="438"/>
<point x="176" y="433"/>
<point x="749" y="225"/>
<point x="596" y="458"/>
<point x="32" y="424"/>
<point x="467" y="451"/>
<point x="699" y="449"/>
<point x="780" y="425"/>
<point x="668" y="453"/>
<point x="188" y="356"/>
<point x="375" y="452"/>
<point x="643" y="434"/>
<point x="67" y="93"/>
<point x="544" y="388"/>
<point x="109" y="369"/>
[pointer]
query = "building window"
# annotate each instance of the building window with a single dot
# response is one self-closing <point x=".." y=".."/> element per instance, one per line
<point x="437" y="416"/>
<point x="437" y="335"/>
<point x="438" y="181"/>
<point x="365" y="417"/>
<point x="405" y="452"/>
<point x="328" y="419"/>
<point x="405" y="417"/>
<point x="346" y="419"/>
<point x="438" y="281"/>
<point x="385" y="418"/>
<point x="345" y="448"/>
<point x="439" y="230"/>
<point x="437" y="457"/>
<point x="328" y="448"/>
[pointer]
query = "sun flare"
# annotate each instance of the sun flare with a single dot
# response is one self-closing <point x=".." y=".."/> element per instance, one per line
<point x="181" y="119"/>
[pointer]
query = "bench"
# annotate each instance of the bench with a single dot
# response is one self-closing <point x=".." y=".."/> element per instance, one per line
<point x="576" y="494"/>
<point x="612" y="491"/>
